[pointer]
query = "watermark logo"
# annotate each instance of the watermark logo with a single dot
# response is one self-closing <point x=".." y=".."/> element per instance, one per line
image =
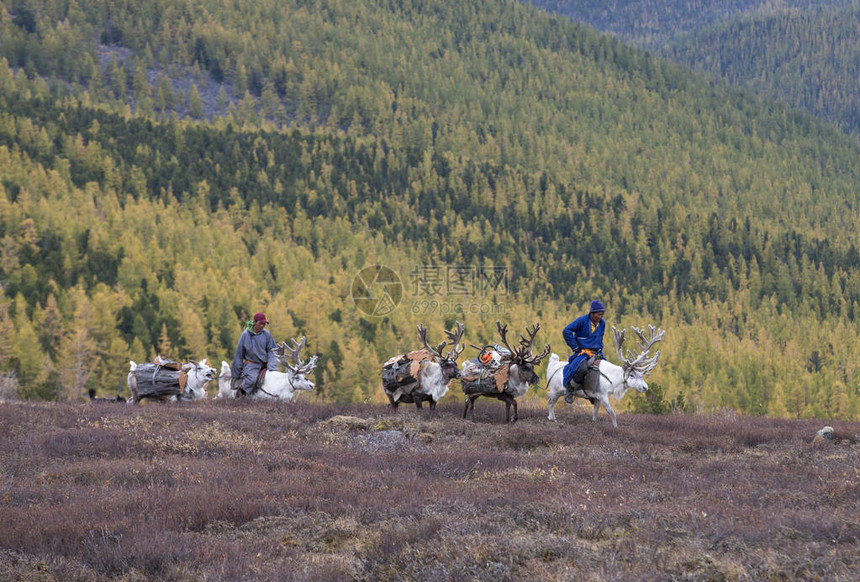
<point x="434" y="289"/>
<point x="457" y="289"/>
<point x="458" y="280"/>
<point x="377" y="290"/>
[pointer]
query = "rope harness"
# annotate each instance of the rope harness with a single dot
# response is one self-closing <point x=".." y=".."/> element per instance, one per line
<point x="485" y="374"/>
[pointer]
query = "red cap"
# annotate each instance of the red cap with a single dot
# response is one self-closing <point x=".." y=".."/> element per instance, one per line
<point x="260" y="317"/>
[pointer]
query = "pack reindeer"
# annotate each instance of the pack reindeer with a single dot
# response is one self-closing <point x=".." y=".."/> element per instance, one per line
<point x="423" y="375"/>
<point x="168" y="380"/>
<point x="609" y="379"/>
<point x="276" y="385"/>
<point x="509" y="379"/>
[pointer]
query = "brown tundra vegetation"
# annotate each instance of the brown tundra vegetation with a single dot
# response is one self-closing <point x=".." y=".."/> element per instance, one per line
<point x="238" y="490"/>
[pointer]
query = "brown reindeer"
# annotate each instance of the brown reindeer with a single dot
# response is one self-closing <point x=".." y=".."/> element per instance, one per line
<point x="423" y="375"/>
<point x="509" y="379"/>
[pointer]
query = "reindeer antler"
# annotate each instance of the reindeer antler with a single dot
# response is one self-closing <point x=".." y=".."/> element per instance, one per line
<point x="640" y="362"/>
<point x="283" y="351"/>
<point x="618" y="338"/>
<point x="536" y="359"/>
<point x="454" y="337"/>
<point x="422" y="335"/>
<point x="523" y="352"/>
<point x="527" y="343"/>
<point x="293" y="353"/>
<point x="308" y="366"/>
<point x="645" y="344"/>
<point x="503" y="334"/>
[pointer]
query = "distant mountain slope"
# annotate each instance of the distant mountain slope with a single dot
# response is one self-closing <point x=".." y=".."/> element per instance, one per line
<point x="419" y="136"/>
<point x="653" y="23"/>
<point x="808" y="59"/>
<point x="805" y="53"/>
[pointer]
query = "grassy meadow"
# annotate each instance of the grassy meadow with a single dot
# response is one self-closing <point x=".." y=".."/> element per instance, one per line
<point x="307" y="490"/>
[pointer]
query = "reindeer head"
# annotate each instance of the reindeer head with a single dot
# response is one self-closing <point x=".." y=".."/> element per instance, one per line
<point x="199" y="376"/>
<point x="637" y="365"/>
<point x="448" y="361"/>
<point x="521" y="355"/>
<point x="290" y="358"/>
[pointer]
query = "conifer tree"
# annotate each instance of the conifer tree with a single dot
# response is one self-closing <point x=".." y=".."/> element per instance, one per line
<point x="165" y="347"/>
<point x="7" y="334"/>
<point x="195" y="102"/>
<point x="26" y="357"/>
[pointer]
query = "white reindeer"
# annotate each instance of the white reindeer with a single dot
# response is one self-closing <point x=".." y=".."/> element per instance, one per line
<point x="225" y="382"/>
<point x="276" y="385"/>
<point x="434" y="370"/>
<point x="609" y="379"/>
<point x="197" y="377"/>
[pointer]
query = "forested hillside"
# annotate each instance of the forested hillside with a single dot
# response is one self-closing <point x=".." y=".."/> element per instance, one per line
<point x="805" y="53"/>
<point x="428" y="137"/>
<point x="807" y="59"/>
<point x="653" y="23"/>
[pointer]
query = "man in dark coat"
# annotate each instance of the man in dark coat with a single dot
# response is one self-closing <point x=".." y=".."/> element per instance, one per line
<point x="254" y="354"/>
<point x="585" y="337"/>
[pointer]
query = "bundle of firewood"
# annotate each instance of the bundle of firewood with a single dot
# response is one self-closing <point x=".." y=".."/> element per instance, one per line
<point x="401" y="372"/>
<point x="161" y="379"/>
<point x="480" y="378"/>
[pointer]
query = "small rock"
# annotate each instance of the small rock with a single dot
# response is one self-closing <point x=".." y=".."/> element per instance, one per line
<point x="822" y="436"/>
<point x="384" y="440"/>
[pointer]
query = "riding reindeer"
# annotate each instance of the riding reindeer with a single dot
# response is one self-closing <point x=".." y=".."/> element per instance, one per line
<point x="509" y="379"/>
<point x="276" y="385"/>
<point x="423" y="375"/>
<point x="608" y="379"/>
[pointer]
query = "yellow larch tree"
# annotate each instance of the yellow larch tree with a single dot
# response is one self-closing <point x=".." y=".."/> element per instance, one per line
<point x="77" y="354"/>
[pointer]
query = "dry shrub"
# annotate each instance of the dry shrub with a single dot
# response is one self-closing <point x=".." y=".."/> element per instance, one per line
<point x="8" y="386"/>
<point x="263" y="491"/>
<point x="519" y="438"/>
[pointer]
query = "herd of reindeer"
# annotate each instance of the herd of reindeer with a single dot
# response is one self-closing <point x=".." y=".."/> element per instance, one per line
<point x="502" y="371"/>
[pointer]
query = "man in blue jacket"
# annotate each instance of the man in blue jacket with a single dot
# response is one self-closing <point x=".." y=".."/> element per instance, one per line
<point x="585" y="337"/>
<point x="254" y="354"/>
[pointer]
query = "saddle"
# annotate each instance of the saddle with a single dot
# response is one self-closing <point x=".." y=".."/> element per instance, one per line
<point x="590" y="383"/>
<point x="236" y="382"/>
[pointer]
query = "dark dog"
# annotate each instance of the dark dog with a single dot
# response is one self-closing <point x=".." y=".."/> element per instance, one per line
<point x="95" y="398"/>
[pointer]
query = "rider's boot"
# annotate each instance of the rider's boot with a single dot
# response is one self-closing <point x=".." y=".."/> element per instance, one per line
<point x="568" y="393"/>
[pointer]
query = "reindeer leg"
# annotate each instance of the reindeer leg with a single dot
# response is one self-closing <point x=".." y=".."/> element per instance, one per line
<point x="132" y="386"/>
<point x="596" y="408"/>
<point x="470" y="406"/>
<point x="608" y="408"/>
<point x="551" y="399"/>
<point x="514" y="403"/>
<point x="392" y="403"/>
